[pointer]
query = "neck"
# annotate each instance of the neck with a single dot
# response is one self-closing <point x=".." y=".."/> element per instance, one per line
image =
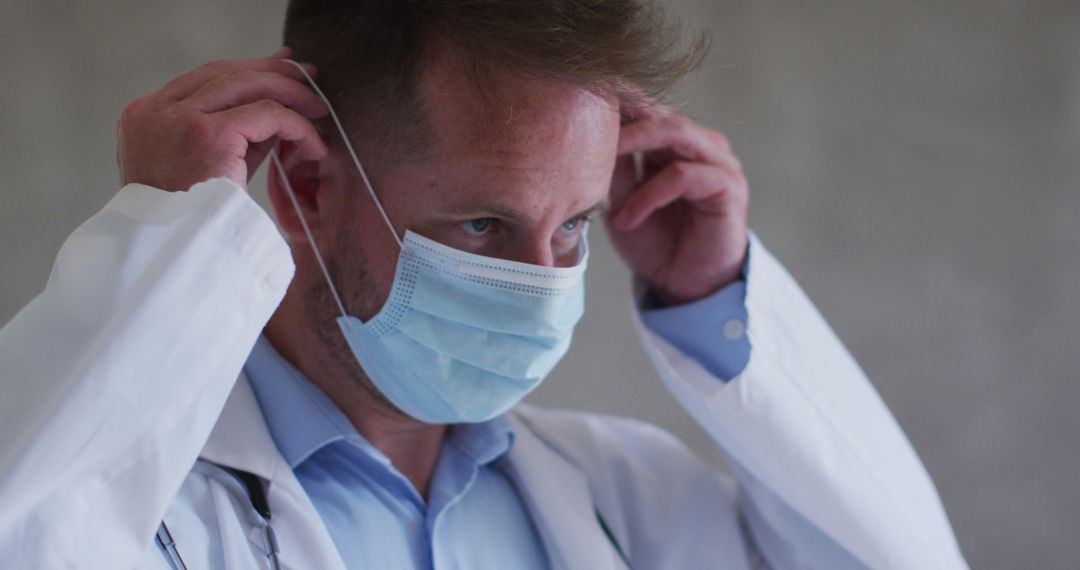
<point x="412" y="446"/>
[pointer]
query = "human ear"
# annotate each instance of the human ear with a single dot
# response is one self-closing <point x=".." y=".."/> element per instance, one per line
<point x="303" y="177"/>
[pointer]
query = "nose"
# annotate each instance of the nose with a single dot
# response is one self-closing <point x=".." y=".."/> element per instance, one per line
<point x="536" y="253"/>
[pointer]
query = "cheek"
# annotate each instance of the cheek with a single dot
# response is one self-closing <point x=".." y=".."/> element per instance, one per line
<point x="362" y="264"/>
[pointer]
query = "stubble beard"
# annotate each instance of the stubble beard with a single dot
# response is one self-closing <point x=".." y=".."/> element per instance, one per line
<point x="356" y="289"/>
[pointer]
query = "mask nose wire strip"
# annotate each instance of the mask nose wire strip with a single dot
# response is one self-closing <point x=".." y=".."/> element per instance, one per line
<point x="307" y="230"/>
<point x="349" y="147"/>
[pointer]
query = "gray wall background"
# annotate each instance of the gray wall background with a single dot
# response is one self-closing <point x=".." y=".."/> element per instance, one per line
<point x="916" y="165"/>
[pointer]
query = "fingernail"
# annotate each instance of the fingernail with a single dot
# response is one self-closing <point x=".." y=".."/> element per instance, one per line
<point x="281" y="52"/>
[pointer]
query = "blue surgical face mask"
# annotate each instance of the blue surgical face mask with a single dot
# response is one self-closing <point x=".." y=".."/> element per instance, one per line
<point x="462" y="337"/>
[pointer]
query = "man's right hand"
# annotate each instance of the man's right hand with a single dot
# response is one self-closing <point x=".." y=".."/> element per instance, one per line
<point x="219" y="120"/>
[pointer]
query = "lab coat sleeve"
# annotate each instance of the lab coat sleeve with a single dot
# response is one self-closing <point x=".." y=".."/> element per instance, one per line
<point x="112" y="378"/>
<point x="825" y="472"/>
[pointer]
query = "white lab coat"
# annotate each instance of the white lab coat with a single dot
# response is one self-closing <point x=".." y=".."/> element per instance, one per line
<point x="120" y="398"/>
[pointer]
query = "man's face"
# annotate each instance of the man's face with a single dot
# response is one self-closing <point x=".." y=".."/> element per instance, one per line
<point x="513" y="174"/>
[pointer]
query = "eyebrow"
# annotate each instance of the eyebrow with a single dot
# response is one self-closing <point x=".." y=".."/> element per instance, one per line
<point x="596" y="208"/>
<point x="509" y="213"/>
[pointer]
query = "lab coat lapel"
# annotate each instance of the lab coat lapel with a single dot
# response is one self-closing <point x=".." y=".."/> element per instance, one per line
<point x="241" y="440"/>
<point x="557" y="495"/>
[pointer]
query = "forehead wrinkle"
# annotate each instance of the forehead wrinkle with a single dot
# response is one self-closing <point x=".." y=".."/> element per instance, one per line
<point x="507" y="163"/>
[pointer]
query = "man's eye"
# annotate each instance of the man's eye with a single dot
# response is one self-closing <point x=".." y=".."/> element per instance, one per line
<point x="574" y="224"/>
<point x="478" y="226"/>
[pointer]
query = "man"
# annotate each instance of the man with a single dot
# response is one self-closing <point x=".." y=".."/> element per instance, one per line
<point x="192" y="390"/>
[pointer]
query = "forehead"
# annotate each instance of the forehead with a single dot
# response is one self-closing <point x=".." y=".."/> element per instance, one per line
<point x="497" y="119"/>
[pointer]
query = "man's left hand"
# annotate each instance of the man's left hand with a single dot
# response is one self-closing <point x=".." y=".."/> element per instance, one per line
<point x="683" y="227"/>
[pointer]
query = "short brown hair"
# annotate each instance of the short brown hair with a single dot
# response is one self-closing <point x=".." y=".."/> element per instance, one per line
<point x="371" y="53"/>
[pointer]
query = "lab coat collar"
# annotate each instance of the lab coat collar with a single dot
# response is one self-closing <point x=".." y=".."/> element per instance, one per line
<point x="240" y="440"/>
<point x="557" y="495"/>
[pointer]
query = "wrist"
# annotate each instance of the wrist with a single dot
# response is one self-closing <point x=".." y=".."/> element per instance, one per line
<point x="691" y="291"/>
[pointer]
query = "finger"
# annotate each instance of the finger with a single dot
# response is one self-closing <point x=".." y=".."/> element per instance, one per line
<point x="259" y="121"/>
<point x="680" y="136"/>
<point x="246" y="86"/>
<point x="695" y="182"/>
<point x="283" y="52"/>
<point x="183" y="86"/>
<point x="640" y="110"/>
<point x="638" y="105"/>
<point x="674" y="132"/>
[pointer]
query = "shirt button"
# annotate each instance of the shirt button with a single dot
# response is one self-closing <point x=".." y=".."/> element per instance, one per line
<point x="734" y="329"/>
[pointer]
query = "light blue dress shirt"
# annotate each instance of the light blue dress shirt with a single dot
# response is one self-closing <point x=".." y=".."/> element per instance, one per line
<point x="474" y="517"/>
<point x="711" y="330"/>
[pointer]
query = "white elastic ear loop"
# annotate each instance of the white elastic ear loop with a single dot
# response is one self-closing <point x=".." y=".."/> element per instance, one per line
<point x="296" y="204"/>
<point x="307" y="230"/>
<point x="349" y="147"/>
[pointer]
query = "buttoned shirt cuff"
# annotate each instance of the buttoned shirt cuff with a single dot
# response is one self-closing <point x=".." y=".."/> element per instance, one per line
<point x="711" y="330"/>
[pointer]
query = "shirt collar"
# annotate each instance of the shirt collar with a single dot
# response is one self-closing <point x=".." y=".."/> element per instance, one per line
<point x="302" y="419"/>
<point x="486" y="442"/>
